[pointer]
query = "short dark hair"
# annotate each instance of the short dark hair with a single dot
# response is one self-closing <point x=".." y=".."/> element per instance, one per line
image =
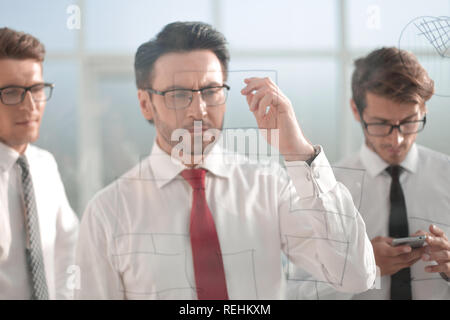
<point x="20" y="45"/>
<point x="393" y="74"/>
<point x="179" y="37"/>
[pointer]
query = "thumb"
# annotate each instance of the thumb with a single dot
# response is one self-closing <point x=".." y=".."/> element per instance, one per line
<point x="382" y="239"/>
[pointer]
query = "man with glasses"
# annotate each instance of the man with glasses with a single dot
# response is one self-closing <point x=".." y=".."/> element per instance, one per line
<point x="186" y="223"/>
<point x="403" y="188"/>
<point x="38" y="229"/>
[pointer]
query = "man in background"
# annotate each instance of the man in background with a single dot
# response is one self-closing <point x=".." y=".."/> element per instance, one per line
<point x="403" y="187"/>
<point x="38" y="229"/>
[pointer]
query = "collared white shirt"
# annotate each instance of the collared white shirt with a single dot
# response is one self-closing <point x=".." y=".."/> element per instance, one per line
<point x="425" y="181"/>
<point x="134" y="235"/>
<point x="58" y="225"/>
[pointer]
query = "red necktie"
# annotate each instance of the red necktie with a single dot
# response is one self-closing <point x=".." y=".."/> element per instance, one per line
<point x="206" y="253"/>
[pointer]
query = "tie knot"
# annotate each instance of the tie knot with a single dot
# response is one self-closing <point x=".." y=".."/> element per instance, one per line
<point x="195" y="177"/>
<point x="23" y="162"/>
<point x="394" y="171"/>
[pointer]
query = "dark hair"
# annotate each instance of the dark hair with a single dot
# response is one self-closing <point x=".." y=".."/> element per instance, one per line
<point x="391" y="73"/>
<point x="20" y="45"/>
<point x="179" y="37"/>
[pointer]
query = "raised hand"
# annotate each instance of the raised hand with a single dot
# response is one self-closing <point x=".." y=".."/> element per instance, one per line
<point x="263" y="94"/>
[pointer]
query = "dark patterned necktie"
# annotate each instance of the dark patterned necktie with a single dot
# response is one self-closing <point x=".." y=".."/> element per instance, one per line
<point x="206" y="254"/>
<point x="33" y="249"/>
<point x="398" y="228"/>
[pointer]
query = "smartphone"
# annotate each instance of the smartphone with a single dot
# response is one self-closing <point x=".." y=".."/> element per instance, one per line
<point x="413" y="242"/>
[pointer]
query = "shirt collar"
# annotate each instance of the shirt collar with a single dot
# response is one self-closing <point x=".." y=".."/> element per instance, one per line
<point x="375" y="165"/>
<point x="217" y="162"/>
<point x="8" y="157"/>
<point x="165" y="168"/>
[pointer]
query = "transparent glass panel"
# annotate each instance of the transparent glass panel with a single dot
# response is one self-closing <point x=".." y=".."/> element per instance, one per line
<point x="58" y="132"/>
<point x="310" y="84"/>
<point x="44" y="19"/>
<point x="434" y="56"/>
<point x="126" y="135"/>
<point x="436" y="134"/>
<point x="282" y="24"/>
<point x="121" y="26"/>
<point x="375" y="23"/>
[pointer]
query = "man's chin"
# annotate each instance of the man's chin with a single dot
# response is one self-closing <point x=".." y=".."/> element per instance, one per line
<point x="389" y="154"/>
<point x="25" y="137"/>
<point x="19" y="144"/>
<point x="394" y="158"/>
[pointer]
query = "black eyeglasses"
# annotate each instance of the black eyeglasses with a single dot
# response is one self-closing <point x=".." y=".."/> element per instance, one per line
<point x="12" y="95"/>
<point x="385" y="129"/>
<point x="182" y="98"/>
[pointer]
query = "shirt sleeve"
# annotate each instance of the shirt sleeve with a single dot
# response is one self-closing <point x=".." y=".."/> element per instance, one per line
<point x="322" y="231"/>
<point x="65" y="243"/>
<point x="302" y="286"/>
<point x="99" y="278"/>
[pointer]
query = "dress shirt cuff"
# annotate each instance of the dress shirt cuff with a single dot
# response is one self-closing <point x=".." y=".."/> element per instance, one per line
<point x="316" y="153"/>
<point x="444" y="276"/>
<point x="312" y="180"/>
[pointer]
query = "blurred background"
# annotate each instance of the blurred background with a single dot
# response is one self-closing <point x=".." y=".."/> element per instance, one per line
<point x="93" y="125"/>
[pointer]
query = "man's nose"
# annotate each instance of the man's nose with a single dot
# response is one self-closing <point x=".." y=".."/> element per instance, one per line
<point x="396" y="137"/>
<point x="28" y="101"/>
<point x="197" y="108"/>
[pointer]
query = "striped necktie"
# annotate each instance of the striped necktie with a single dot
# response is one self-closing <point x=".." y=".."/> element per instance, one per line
<point x="33" y="249"/>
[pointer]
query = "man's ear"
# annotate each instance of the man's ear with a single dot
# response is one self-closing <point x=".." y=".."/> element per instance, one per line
<point x="146" y="104"/>
<point x="355" y="110"/>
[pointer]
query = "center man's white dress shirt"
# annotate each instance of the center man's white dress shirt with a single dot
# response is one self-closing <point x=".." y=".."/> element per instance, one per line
<point x="58" y="226"/>
<point x="134" y="236"/>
